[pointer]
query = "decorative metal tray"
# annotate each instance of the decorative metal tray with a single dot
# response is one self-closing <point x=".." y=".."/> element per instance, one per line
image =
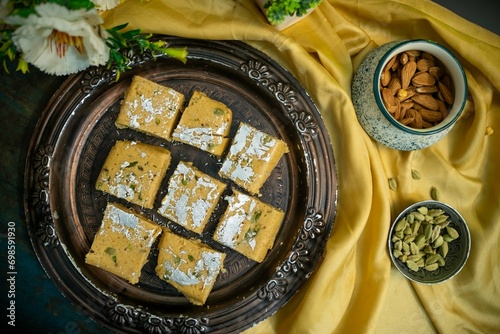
<point x="64" y="210"/>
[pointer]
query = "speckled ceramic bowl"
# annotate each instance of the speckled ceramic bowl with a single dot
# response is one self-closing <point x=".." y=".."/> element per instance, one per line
<point x="374" y="117"/>
<point x="458" y="249"/>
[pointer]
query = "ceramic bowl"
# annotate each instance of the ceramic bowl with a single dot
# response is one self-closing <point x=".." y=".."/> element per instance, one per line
<point x="458" y="249"/>
<point x="374" y="117"/>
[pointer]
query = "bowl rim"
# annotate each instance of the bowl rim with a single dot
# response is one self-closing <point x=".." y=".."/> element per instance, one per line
<point x="378" y="98"/>
<point x="412" y="207"/>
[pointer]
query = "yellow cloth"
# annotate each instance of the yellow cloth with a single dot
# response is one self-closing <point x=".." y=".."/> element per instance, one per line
<point x="356" y="290"/>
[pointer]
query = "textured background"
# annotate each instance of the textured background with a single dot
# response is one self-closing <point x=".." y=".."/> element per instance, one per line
<point x="482" y="12"/>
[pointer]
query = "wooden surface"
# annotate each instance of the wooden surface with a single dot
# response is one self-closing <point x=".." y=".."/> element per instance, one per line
<point x="38" y="303"/>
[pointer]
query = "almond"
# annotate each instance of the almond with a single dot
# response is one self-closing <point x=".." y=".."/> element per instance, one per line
<point x="418" y="122"/>
<point x="436" y="72"/>
<point x="390" y="63"/>
<point x="426" y="100"/>
<point x="417" y="106"/>
<point x="395" y="66"/>
<point x="427" y="89"/>
<point x="431" y="116"/>
<point x="397" y="110"/>
<point x="426" y="125"/>
<point x="388" y="100"/>
<point x="447" y="95"/>
<point x="424" y="64"/>
<point x="426" y="55"/>
<point x="385" y="78"/>
<point x="445" y="80"/>
<point x="402" y="112"/>
<point x="413" y="53"/>
<point x="406" y="105"/>
<point x="407" y="73"/>
<point x="394" y="85"/>
<point x="443" y="109"/>
<point x="423" y="79"/>
<point x="407" y="120"/>
<point x="403" y="59"/>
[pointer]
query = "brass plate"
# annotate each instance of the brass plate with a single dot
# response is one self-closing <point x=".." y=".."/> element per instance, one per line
<point x="64" y="210"/>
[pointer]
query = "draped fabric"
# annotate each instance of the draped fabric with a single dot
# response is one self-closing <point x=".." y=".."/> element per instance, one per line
<point x="356" y="289"/>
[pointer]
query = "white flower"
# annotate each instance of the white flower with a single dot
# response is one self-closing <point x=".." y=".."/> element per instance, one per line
<point x="61" y="41"/>
<point x="106" y="4"/>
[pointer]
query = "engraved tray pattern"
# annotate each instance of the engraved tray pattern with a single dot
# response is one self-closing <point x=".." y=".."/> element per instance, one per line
<point x="63" y="209"/>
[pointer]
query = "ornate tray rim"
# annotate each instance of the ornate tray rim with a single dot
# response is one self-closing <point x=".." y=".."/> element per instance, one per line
<point x="301" y="261"/>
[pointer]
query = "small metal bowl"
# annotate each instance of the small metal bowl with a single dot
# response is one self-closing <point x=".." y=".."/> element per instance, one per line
<point x="458" y="249"/>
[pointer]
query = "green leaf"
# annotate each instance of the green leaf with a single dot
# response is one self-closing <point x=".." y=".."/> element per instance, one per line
<point x="177" y="53"/>
<point x="22" y="66"/>
<point x="23" y="12"/>
<point x="131" y="34"/>
<point x="74" y="4"/>
<point x="117" y="28"/>
<point x="5" y="67"/>
<point x="121" y="41"/>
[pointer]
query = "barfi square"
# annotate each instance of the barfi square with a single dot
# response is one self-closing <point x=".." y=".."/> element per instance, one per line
<point x="151" y="108"/>
<point x="134" y="171"/>
<point x="249" y="226"/>
<point x="252" y="157"/>
<point x="122" y="244"/>
<point x="188" y="265"/>
<point x="191" y="197"/>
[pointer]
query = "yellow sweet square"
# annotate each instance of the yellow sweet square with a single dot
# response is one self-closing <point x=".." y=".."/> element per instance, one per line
<point x="151" y="108"/>
<point x="188" y="265"/>
<point x="205" y="123"/>
<point x="252" y="157"/>
<point x="249" y="226"/>
<point x="134" y="171"/>
<point x="123" y="242"/>
<point x="191" y="197"/>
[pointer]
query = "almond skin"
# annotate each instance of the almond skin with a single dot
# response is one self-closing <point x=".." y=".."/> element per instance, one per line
<point x="407" y="73"/>
<point x="431" y="116"/>
<point x="447" y="95"/>
<point x="423" y="79"/>
<point x="385" y="78"/>
<point x="436" y="72"/>
<point x="424" y="64"/>
<point x="394" y="85"/>
<point x="388" y="100"/>
<point x="426" y="100"/>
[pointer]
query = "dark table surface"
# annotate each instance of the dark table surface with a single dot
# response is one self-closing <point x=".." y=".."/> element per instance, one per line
<point x="39" y="305"/>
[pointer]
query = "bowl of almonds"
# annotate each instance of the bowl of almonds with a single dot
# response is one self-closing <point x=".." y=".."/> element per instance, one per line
<point x="408" y="94"/>
<point x="429" y="242"/>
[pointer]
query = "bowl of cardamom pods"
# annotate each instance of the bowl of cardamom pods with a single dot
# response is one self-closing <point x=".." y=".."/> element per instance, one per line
<point x="409" y="94"/>
<point x="429" y="242"/>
